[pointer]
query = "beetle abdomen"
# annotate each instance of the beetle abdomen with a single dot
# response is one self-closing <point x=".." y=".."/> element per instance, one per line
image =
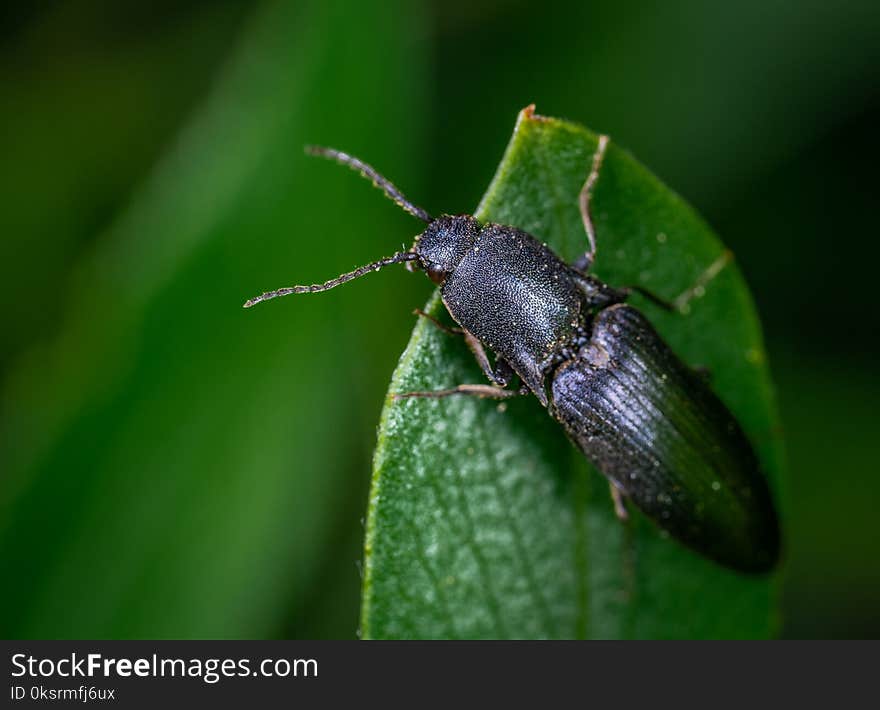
<point x="659" y="433"/>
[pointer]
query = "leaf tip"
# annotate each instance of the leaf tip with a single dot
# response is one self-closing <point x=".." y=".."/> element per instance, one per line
<point x="528" y="114"/>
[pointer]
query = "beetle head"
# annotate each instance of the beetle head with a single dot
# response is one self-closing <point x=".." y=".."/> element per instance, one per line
<point x="443" y="245"/>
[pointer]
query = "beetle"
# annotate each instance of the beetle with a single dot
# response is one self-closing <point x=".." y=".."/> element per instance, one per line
<point x="648" y="422"/>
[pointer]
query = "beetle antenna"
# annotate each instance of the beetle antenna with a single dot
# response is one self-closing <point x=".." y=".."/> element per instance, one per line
<point x="368" y="171"/>
<point x="398" y="258"/>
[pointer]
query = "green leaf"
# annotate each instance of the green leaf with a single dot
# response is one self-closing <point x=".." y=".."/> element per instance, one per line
<point x="484" y="521"/>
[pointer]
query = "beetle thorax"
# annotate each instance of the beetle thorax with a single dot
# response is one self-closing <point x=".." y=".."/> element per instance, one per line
<point x="444" y="243"/>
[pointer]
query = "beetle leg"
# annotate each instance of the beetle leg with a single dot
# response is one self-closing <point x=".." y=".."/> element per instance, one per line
<point x="699" y="286"/>
<point x="499" y="376"/>
<point x="619" y="505"/>
<point x="502" y="373"/>
<point x="652" y="297"/>
<point x="585" y="261"/>
<point x="598" y="294"/>
<point x="696" y="290"/>
<point x="441" y="326"/>
<point x="474" y="390"/>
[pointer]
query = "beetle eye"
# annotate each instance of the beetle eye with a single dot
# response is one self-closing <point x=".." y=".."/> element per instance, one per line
<point x="436" y="274"/>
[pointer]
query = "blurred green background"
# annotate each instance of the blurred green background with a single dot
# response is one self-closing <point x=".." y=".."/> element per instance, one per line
<point x="174" y="466"/>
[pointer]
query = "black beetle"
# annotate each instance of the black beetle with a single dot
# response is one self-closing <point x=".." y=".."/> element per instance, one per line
<point x="648" y="422"/>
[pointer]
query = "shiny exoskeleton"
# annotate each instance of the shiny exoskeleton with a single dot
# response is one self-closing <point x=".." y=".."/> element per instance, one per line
<point x="648" y="422"/>
<point x="530" y="308"/>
